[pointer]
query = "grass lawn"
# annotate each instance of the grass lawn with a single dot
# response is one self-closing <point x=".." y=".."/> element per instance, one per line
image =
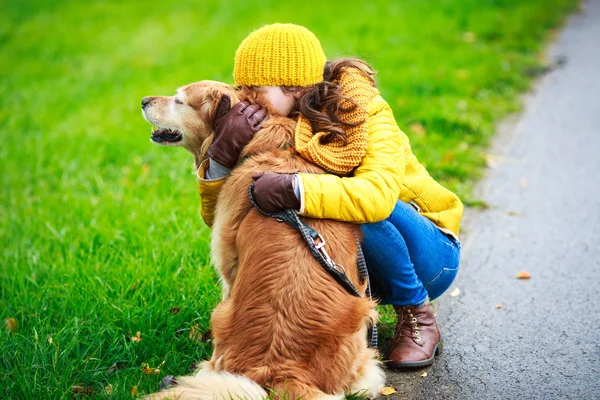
<point x="100" y="231"/>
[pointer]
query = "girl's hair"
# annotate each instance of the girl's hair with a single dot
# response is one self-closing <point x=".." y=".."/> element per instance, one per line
<point x="324" y="105"/>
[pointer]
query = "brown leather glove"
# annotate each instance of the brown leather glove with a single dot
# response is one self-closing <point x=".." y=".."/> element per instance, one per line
<point x="275" y="192"/>
<point x="234" y="128"/>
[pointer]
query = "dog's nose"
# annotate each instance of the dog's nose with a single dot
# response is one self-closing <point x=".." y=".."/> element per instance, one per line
<point x="145" y="101"/>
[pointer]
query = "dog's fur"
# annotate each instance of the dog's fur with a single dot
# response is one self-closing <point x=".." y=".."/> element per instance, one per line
<point x="284" y="324"/>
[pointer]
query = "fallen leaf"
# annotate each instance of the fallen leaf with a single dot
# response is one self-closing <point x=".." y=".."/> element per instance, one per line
<point x="108" y="390"/>
<point x="449" y="156"/>
<point x="11" y="324"/>
<point x="82" y="391"/>
<point x="523" y="275"/>
<point x="137" y="337"/>
<point x="148" y="370"/>
<point x="499" y="306"/>
<point x="455" y="292"/>
<point x="417" y="129"/>
<point x="133" y="391"/>
<point x="115" y="366"/>
<point x="524" y="183"/>
<point x="386" y="391"/>
<point x="424" y="374"/>
<point x="195" y="333"/>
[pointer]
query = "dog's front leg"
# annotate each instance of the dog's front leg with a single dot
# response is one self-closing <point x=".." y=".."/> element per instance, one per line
<point x="223" y="248"/>
<point x="222" y="258"/>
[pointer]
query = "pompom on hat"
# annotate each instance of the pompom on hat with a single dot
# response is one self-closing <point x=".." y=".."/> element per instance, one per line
<point x="279" y="55"/>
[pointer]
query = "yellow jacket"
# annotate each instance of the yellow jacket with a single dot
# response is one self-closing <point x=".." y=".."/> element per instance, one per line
<point x="388" y="172"/>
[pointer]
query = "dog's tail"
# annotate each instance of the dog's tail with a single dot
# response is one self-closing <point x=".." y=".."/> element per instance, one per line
<point x="212" y="385"/>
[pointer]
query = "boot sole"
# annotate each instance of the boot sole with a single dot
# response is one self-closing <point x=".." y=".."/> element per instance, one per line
<point x="417" y="364"/>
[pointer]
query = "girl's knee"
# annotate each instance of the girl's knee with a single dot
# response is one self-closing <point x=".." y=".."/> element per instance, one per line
<point x="442" y="282"/>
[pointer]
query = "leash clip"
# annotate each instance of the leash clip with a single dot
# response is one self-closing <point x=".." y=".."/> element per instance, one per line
<point x="321" y="249"/>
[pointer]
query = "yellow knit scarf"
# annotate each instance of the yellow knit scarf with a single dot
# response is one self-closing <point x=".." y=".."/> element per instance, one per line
<point x="335" y="156"/>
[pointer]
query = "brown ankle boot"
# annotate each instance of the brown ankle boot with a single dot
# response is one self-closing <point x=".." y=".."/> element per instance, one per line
<point x="417" y="340"/>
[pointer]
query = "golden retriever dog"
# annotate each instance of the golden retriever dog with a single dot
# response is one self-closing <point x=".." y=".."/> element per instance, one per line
<point x="285" y="327"/>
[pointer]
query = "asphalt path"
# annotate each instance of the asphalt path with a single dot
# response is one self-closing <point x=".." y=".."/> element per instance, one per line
<point x="539" y="338"/>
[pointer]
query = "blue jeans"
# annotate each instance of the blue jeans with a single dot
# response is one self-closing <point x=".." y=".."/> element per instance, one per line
<point x="409" y="258"/>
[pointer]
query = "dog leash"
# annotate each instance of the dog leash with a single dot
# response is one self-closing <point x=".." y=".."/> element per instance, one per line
<point x="316" y="244"/>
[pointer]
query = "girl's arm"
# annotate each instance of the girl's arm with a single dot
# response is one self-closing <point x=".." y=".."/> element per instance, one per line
<point x="209" y="187"/>
<point x="234" y="128"/>
<point x="371" y="194"/>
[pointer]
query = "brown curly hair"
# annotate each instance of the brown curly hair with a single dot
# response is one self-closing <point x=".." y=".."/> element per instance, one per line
<point x="323" y="104"/>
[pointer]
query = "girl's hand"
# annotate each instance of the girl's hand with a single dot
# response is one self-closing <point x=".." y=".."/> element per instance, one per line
<point x="275" y="192"/>
<point x="234" y="128"/>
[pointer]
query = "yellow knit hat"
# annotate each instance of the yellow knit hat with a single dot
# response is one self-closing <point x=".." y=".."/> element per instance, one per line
<point x="279" y="55"/>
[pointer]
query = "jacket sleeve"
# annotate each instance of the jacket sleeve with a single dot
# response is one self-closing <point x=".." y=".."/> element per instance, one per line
<point x="209" y="191"/>
<point x="371" y="193"/>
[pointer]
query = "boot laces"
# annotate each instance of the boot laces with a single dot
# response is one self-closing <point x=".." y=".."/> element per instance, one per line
<point x="408" y="326"/>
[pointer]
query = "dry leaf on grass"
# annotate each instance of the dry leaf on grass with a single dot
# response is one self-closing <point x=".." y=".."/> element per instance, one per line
<point x="386" y="391"/>
<point x="195" y="333"/>
<point x="137" y="337"/>
<point x="455" y="292"/>
<point x="108" y="390"/>
<point x="175" y="310"/>
<point x="499" y="306"/>
<point x="11" y="324"/>
<point x="523" y="275"/>
<point x="82" y="391"/>
<point x="133" y="391"/>
<point x="449" y="156"/>
<point x="417" y="129"/>
<point x="148" y="370"/>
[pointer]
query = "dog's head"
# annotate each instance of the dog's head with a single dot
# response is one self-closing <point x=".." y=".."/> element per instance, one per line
<point x="185" y="119"/>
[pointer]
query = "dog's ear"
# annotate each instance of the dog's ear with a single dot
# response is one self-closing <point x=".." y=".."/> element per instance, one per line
<point x="222" y="108"/>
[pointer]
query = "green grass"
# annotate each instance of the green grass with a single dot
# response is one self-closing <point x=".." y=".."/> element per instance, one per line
<point x="100" y="231"/>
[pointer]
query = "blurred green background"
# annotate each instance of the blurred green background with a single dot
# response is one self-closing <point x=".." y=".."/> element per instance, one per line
<point x="100" y="230"/>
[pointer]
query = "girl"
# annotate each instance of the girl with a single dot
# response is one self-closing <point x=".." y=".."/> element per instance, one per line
<point x="410" y="223"/>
